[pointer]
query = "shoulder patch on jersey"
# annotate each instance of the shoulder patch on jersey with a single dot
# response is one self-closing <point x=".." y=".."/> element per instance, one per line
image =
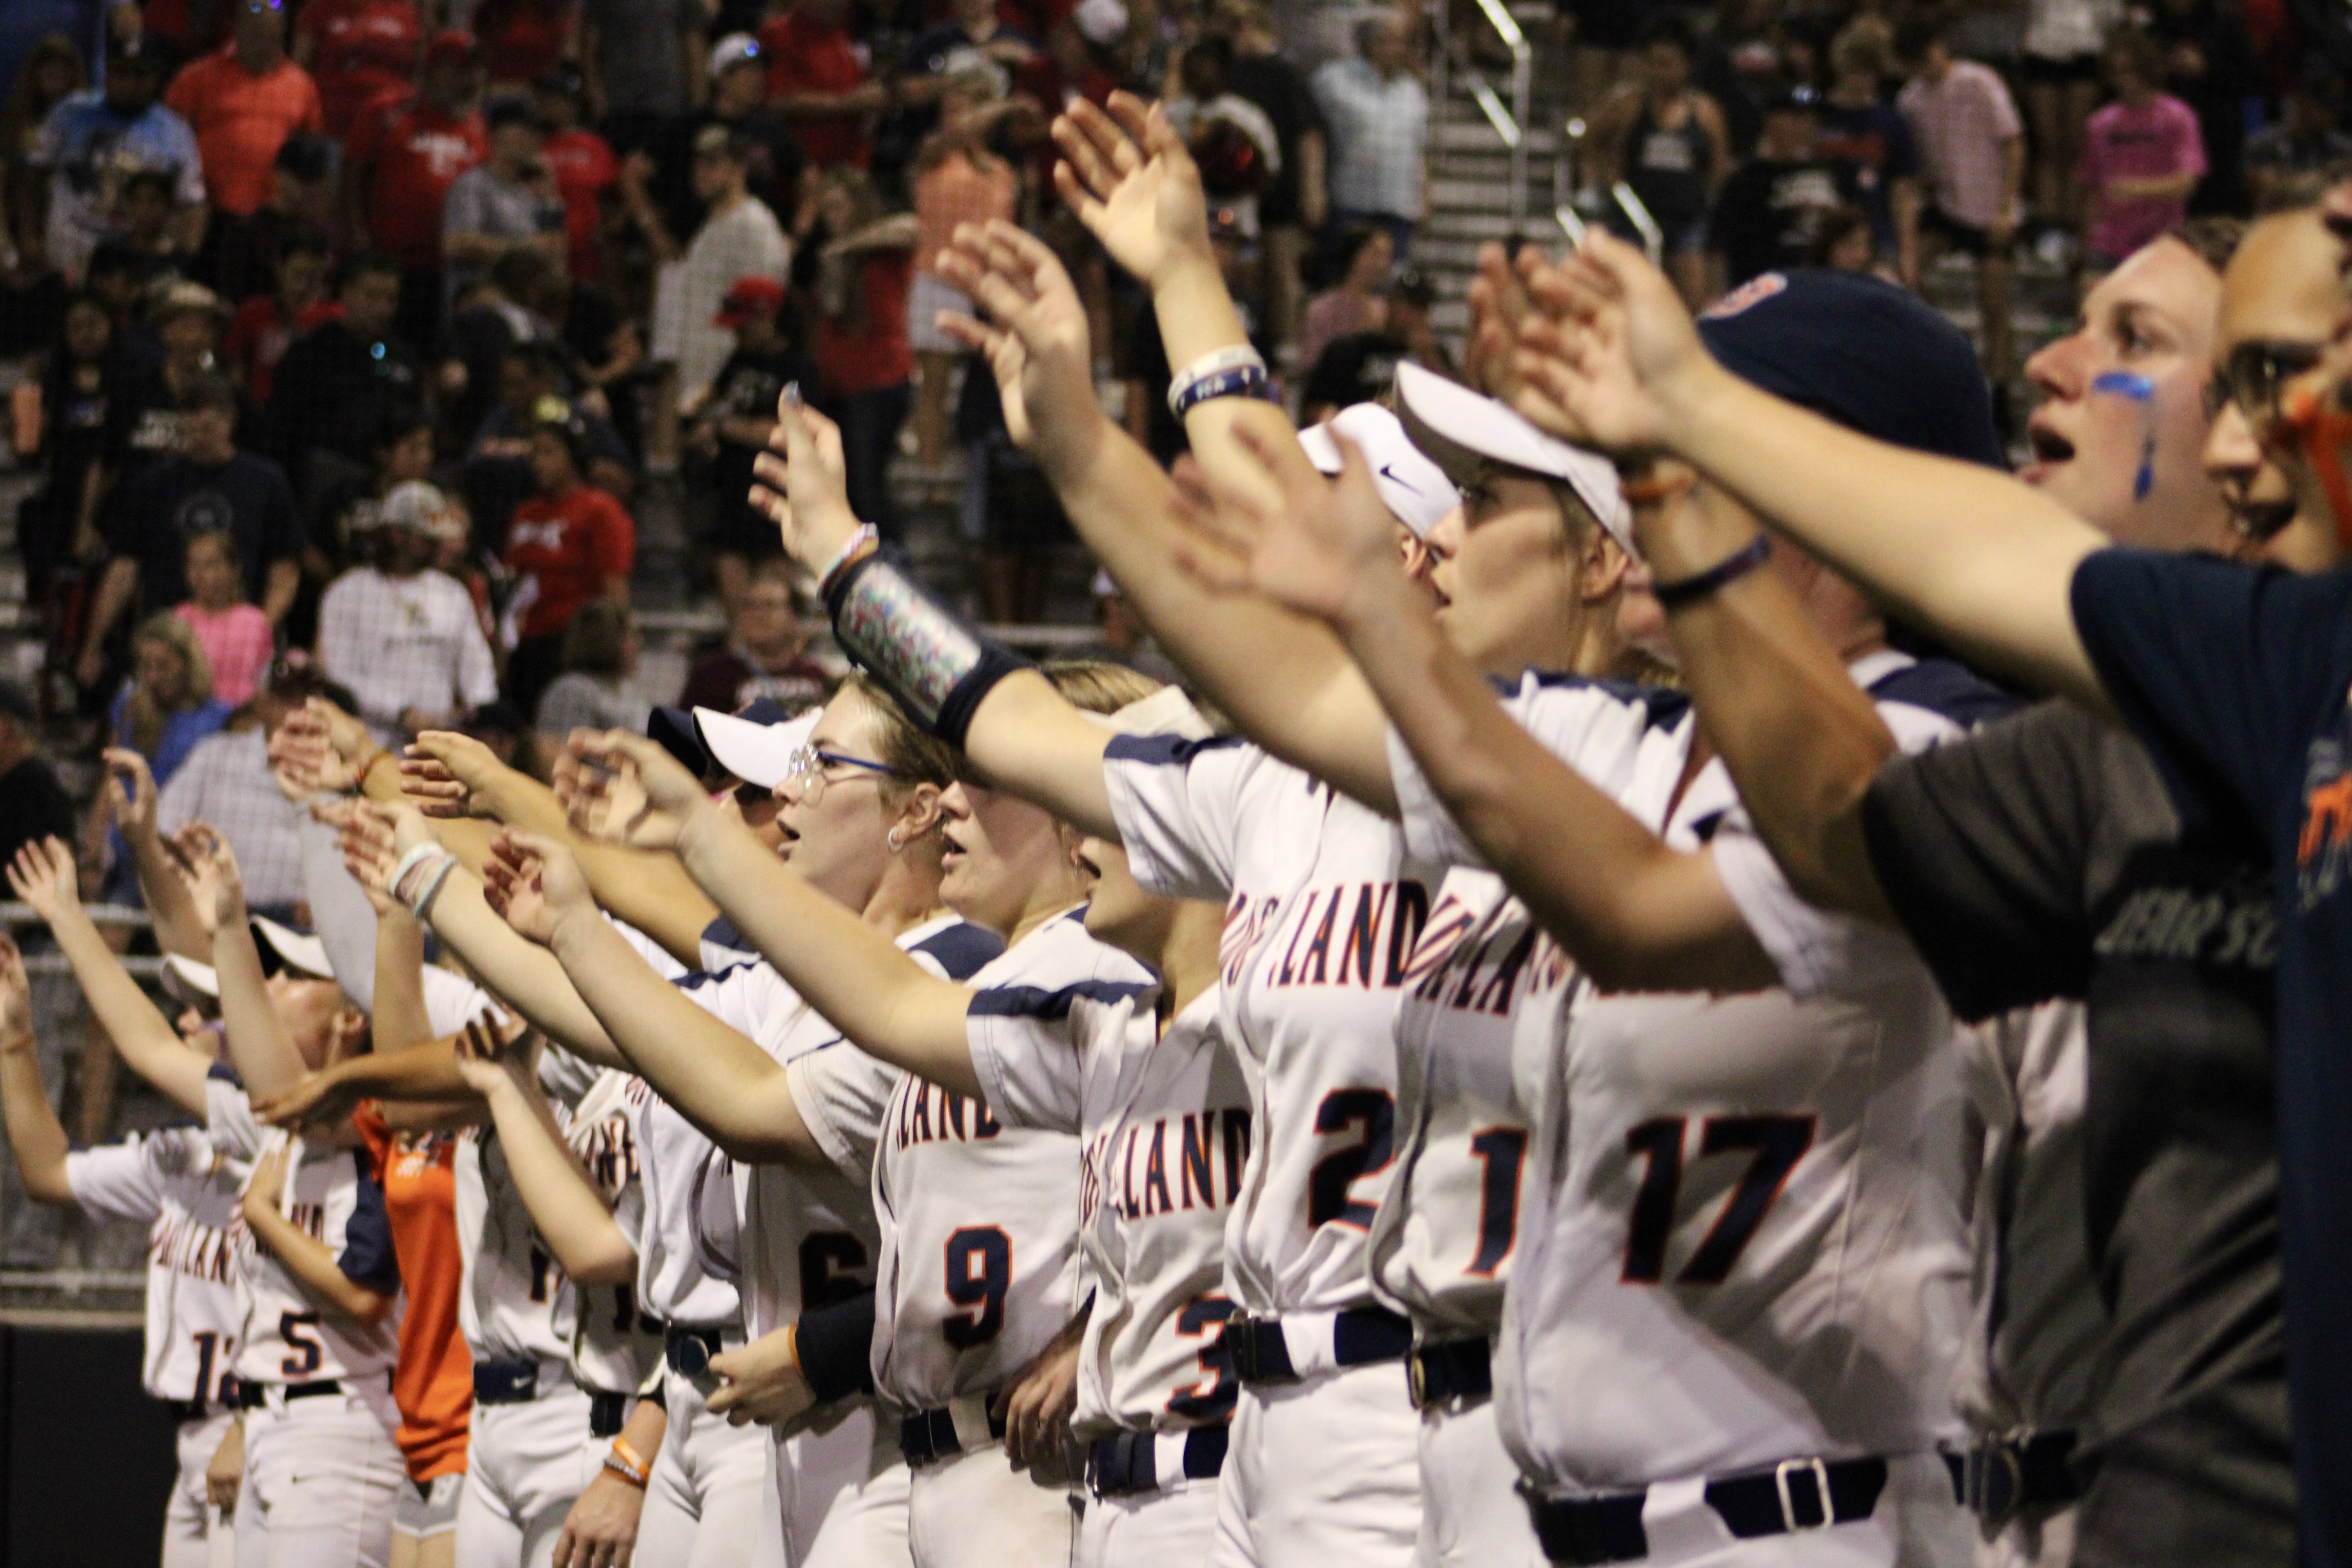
<point x="963" y="950"/>
<point x="225" y="1073"/>
<point x="368" y="1259"/>
<point x="1036" y="1002"/>
<point x="722" y="933"/>
<point x="1947" y="688"/>
<point x="695" y="979"/>
<point x="1164" y="751"/>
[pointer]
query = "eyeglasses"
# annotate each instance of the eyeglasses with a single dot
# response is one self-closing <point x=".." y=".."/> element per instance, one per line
<point x="2253" y="376"/>
<point x="806" y="777"/>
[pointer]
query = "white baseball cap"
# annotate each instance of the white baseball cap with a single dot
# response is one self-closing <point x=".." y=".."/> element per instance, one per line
<point x="1416" y="489"/>
<point x="190" y="982"/>
<point x="304" y="956"/>
<point x="1458" y="427"/>
<point x="423" y="507"/>
<point x="757" y="754"/>
<point x="732" y="50"/>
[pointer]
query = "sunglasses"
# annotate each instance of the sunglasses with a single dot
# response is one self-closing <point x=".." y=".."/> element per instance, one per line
<point x="2255" y="374"/>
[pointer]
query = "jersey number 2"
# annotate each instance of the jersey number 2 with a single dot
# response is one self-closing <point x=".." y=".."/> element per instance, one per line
<point x="1775" y="1144"/>
<point x="1371" y="1113"/>
<point x="979" y="1271"/>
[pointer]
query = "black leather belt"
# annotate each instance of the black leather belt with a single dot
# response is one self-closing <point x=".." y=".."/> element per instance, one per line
<point x="2001" y="1477"/>
<point x="607" y="1413"/>
<point x="1446" y="1371"/>
<point x="1127" y="1463"/>
<point x="688" y="1350"/>
<point x="183" y="1411"/>
<point x="509" y="1379"/>
<point x="1793" y="1495"/>
<point x="1359" y="1337"/>
<point x="930" y="1434"/>
<point x="254" y="1396"/>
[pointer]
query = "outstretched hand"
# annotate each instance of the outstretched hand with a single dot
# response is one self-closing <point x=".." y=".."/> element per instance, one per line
<point x="1607" y="351"/>
<point x="619" y="787"/>
<point x="43" y="876"/>
<point x="130" y="792"/>
<point x="805" y="492"/>
<point x="1035" y="339"/>
<point x="1325" y="548"/>
<point x="212" y="866"/>
<point x="490" y="1051"/>
<point x="319" y="748"/>
<point x="1129" y="178"/>
<point x="447" y="773"/>
<point x="534" y="884"/>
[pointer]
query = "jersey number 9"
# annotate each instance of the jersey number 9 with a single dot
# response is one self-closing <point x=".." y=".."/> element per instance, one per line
<point x="979" y="1271"/>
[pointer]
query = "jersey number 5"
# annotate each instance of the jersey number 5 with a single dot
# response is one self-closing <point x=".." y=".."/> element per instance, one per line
<point x="1775" y="1144"/>
<point x="979" y="1271"/>
<point x="290" y="1327"/>
<point x="1370" y="1114"/>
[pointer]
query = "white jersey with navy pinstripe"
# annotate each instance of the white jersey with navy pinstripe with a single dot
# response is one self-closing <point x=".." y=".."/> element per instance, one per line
<point x="979" y="1258"/>
<point x="331" y="1195"/>
<point x="187" y="1193"/>
<point x="807" y="1238"/>
<point x="1446" y="1236"/>
<point x="1323" y="906"/>
<point x="1164" y="1121"/>
<point x="1741" y="1238"/>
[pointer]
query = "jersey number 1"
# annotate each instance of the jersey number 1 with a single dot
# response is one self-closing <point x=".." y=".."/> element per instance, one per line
<point x="1775" y="1144"/>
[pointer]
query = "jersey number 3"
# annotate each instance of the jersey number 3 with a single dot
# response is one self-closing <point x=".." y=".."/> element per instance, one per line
<point x="1774" y="1144"/>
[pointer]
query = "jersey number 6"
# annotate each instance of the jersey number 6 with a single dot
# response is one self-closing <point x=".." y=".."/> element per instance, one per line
<point x="1775" y="1144"/>
<point x="979" y="1271"/>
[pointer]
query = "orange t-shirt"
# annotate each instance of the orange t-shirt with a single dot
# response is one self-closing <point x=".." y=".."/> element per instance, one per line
<point x="433" y="1383"/>
<point x="240" y="121"/>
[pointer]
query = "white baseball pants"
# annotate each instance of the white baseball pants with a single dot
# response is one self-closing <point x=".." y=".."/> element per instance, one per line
<point x="975" y="1510"/>
<point x="195" y="1534"/>
<point x="321" y="1478"/>
<point x="709" y="1503"/>
<point x="1327" y="1472"/>
<point x="1472" y="1514"/>
<point x="1172" y="1528"/>
<point x="867" y="1527"/>
<point x="526" y="1464"/>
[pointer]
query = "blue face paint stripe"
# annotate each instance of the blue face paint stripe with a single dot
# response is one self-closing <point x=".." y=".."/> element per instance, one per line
<point x="2139" y="389"/>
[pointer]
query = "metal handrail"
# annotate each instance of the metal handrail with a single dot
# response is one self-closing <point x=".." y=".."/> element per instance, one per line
<point x="1509" y="122"/>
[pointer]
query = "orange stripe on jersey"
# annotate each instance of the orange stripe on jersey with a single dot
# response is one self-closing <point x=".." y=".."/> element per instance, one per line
<point x="433" y="1383"/>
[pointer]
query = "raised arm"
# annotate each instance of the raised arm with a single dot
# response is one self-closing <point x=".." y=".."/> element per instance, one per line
<point x="181" y="926"/>
<point x="1983" y="561"/>
<point x="570" y="1213"/>
<point x="312" y="1266"/>
<point x="258" y="1041"/>
<point x="36" y="1138"/>
<point x="424" y="1074"/>
<point x="43" y="876"/>
<point x="876" y="995"/>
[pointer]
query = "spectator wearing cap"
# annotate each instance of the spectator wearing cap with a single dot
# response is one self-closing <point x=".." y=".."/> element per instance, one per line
<point x="209" y="487"/>
<point x="570" y="544"/>
<point x="1379" y="118"/>
<point x="817" y="81"/>
<point x="399" y="165"/>
<point x="90" y="145"/>
<point x="242" y="101"/>
<point x="639" y="59"/>
<point x="765" y="653"/>
<point x="506" y="200"/>
<point x="1361" y="367"/>
<point x="1769" y="214"/>
<point x="1972" y="158"/>
<point x="2306" y="141"/>
<point x="975" y="36"/>
<point x="958" y="180"/>
<point x="733" y="426"/>
<point x="583" y="166"/>
<point x="237" y="637"/>
<point x="2142" y="156"/>
<point x="865" y="362"/>
<point x="188" y="321"/>
<point x="400" y="634"/>
<point x="342" y="381"/>
<point x="34" y="804"/>
<point x="659" y="185"/>
<point x="740" y="236"/>
<point x="363" y="54"/>
<point x="600" y="655"/>
<point x="1233" y="141"/>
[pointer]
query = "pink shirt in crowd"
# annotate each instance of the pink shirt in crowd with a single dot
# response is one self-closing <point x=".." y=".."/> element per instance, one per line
<point x="236" y="644"/>
<point x="1959" y="124"/>
<point x="2156" y="140"/>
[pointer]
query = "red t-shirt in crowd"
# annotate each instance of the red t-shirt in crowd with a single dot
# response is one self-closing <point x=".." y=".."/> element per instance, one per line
<point x="521" y="39"/>
<point x="433" y="1380"/>
<point x="562" y="548"/>
<point x="259" y="335"/>
<point x="240" y="121"/>
<point x="416" y="154"/>
<point x="363" y="51"/>
<point x="803" y="58"/>
<point x="872" y="353"/>
<point x="583" y="166"/>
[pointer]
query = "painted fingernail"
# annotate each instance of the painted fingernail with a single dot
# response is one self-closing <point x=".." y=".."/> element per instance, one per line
<point x="793" y="392"/>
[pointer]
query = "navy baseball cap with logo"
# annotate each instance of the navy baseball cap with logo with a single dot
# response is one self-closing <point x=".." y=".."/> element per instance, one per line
<point x="1875" y="358"/>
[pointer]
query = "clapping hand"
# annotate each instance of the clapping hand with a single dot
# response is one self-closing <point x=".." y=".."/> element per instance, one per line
<point x="1606" y="351"/>
<point x="491" y="1051"/>
<point x="130" y="792"/>
<point x="1035" y="339"/>
<point x="535" y="884"/>
<point x="212" y="865"/>
<point x="1326" y="548"/>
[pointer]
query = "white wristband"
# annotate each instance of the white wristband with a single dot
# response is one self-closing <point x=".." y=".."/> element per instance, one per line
<point x="416" y="856"/>
<point x="866" y="534"/>
<point x="1239" y="356"/>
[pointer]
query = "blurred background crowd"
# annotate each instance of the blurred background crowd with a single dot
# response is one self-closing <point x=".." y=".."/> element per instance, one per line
<point x="422" y="347"/>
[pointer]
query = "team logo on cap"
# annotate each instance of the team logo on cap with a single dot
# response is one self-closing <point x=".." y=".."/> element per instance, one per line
<point x="1753" y="292"/>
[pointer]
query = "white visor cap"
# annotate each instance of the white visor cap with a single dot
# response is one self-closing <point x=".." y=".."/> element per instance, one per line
<point x="757" y="754"/>
<point x="189" y="981"/>
<point x="1484" y="427"/>
<point x="1416" y="489"/>
<point x="305" y="956"/>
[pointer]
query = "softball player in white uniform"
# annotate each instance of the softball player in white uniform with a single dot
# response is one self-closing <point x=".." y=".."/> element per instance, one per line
<point x="187" y="1194"/>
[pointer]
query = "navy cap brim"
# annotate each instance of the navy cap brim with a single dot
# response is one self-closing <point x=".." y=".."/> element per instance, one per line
<point x="672" y="730"/>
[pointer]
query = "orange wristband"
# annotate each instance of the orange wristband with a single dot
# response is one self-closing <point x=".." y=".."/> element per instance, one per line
<point x="1656" y="488"/>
